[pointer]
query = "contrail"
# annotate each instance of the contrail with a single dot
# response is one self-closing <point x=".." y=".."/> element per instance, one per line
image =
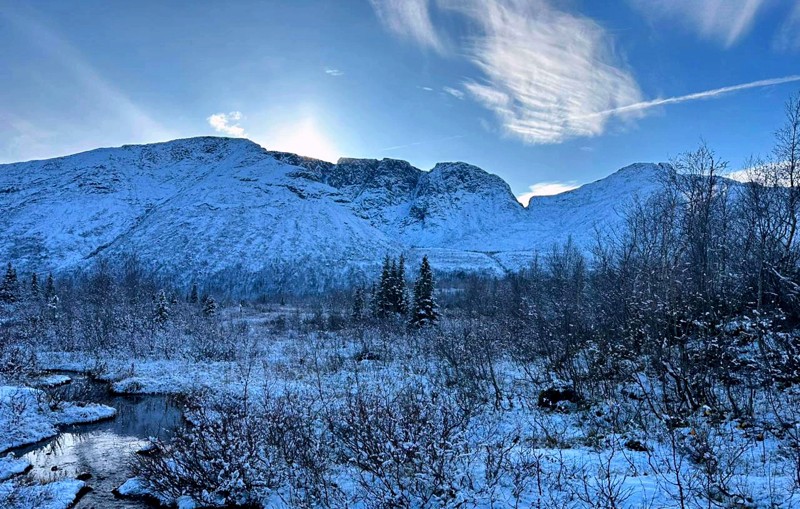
<point x="397" y="147"/>
<point x="643" y="105"/>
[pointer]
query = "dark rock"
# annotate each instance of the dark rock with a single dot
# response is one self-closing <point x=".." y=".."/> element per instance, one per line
<point x="635" y="445"/>
<point x="555" y="398"/>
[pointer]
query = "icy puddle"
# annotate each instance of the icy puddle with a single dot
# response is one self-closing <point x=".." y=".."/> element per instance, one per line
<point x="105" y="449"/>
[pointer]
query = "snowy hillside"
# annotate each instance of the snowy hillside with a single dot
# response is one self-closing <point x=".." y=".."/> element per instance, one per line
<point x="213" y="207"/>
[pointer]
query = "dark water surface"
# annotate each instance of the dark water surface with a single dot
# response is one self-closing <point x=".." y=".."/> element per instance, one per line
<point x="105" y="449"/>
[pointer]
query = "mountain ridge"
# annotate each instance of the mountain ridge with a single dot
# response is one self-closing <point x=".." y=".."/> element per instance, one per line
<point x="225" y="208"/>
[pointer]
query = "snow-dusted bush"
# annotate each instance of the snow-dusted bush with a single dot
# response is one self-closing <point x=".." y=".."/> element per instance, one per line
<point x="408" y="449"/>
<point x="243" y="451"/>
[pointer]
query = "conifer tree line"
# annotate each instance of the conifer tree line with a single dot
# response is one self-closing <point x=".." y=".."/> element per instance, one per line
<point x="12" y="290"/>
<point x="390" y="297"/>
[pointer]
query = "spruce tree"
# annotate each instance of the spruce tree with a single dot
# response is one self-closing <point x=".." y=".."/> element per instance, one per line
<point x="358" y="305"/>
<point x="401" y="299"/>
<point x="49" y="288"/>
<point x="392" y="293"/>
<point x="209" y="306"/>
<point x="384" y="299"/>
<point x="193" y="295"/>
<point x="9" y="290"/>
<point x="374" y="300"/>
<point x="35" y="287"/>
<point x="161" y="309"/>
<point x="425" y="309"/>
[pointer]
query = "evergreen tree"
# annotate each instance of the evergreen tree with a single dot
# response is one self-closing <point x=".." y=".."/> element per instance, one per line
<point x="374" y="300"/>
<point x="209" y="306"/>
<point x="425" y="309"/>
<point x="35" y="287"/>
<point x="391" y="295"/>
<point x="401" y="298"/>
<point x="9" y="291"/>
<point x="49" y="288"/>
<point x="161" y="309"/>
<point x="358" y="305"/>
<point x="383" y="302"/>
<point x="193" y="295"/>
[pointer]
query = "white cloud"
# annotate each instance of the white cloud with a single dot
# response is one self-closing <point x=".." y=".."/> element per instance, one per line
<point x="725" y="21"/>
<point x="544" y="70"/>
<point x="333" y="72"/>
<point x="546" y="189"/>
<point x="788" y="36"/>
<point x="427" y="89"/>
<point x="410" y="19"/>
<point x="227" y="123"/>
<point x="458" y="94"/>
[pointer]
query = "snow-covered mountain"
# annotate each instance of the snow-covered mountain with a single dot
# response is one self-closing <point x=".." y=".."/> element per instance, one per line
<point x="227" y="210"/>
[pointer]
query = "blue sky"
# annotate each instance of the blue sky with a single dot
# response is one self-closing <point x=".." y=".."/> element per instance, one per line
<point x="544" y="93"/>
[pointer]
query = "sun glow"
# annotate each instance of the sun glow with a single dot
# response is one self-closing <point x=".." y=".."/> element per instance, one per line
<point x="304" y="138"/>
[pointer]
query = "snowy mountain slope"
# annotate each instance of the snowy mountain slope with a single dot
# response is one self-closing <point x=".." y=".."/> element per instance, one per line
<point x="217" y="207"/>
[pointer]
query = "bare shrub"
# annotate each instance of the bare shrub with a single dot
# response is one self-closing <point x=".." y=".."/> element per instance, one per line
<point x="406" y="448"/>
<point x="241" y="452"/>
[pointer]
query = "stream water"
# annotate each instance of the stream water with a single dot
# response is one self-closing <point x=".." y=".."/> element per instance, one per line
<point x="104" y="449"/>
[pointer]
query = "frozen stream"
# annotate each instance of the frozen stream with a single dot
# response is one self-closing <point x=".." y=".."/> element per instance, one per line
<point x="105" y="449"/>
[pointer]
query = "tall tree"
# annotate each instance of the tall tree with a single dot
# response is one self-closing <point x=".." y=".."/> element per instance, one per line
<point x="193" y="296"/>
<point x="209" y="306"/>
<point x="787" y="155"/>
<point x="9" y="290"/>
<point x="400" y="296"/>
<point x="49" y="288"/>
<point x="391" y="297"/>
<point x="161" y="309"/>
<point x="358" y="305"/>
<point x="34" y="286"/>
<point x="425" y="309"/>
<point x="383" y="305"/>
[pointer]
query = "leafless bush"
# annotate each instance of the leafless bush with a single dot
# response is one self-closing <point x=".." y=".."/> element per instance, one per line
<point x="407" y="448"/>
<point x="240" y="452"/>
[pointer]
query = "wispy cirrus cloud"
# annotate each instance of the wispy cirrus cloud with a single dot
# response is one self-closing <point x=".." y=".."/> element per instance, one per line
<point x="788" y="36"/>
<point x="330" y="71"/>
<point x="458" y="94"/>
<point x="111" y="115"/>
<point x="542" y="69"/>
<point x="725" y="21"/>
<point x="546" y="189"/>
<point x="410" y="19"/>
<point x="227" y="123"/>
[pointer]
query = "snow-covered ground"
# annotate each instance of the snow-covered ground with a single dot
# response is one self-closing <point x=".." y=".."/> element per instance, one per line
<point x="27" y="416"/>
<point x="595" y="457"/>
<point x="60" y="494"/>
<point x="11" y="466"/>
